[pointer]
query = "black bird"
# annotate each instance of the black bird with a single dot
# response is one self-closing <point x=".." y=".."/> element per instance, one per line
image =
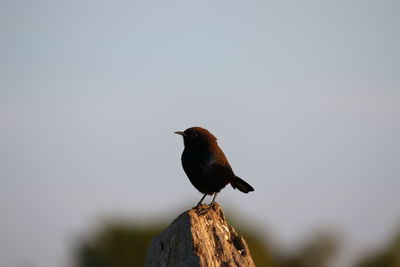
<point x="206" y="165"/>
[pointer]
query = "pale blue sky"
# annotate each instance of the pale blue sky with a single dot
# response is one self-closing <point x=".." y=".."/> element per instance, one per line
<point x="303" y="96"/>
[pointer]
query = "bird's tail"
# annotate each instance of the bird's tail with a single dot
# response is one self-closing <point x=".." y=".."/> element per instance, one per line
<point x="241" y="185"/>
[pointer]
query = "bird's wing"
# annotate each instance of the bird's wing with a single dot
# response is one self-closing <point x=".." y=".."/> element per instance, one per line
<point x="220" y="170"/>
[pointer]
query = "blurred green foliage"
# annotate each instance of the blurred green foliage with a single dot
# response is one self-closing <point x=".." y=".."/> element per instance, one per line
<point x="124" y="244"/>
<point x="387" y="257"/>
<point x="117" y="245"/>
<point x="318" y="251"/>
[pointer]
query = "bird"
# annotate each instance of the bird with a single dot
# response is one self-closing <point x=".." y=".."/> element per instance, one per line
<point x="206" y="165"/>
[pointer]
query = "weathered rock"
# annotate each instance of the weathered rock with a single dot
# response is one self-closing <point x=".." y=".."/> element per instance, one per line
<point x="199" y="237"/>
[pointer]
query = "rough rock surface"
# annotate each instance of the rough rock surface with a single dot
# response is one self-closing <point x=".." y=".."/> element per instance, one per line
<point x="199" y="237"/>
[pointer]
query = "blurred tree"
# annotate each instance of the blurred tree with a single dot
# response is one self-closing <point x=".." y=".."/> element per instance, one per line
<point x="388" y="257"/>
<point x="117" y="245"/>
<point x="125" y="245"/>
<point x="315" y="252"/>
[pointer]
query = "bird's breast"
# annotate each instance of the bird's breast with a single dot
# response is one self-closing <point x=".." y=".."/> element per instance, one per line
<point x="197" y="161"/>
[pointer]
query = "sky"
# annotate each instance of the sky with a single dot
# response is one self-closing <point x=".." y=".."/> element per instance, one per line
<point x="303" y="97"/>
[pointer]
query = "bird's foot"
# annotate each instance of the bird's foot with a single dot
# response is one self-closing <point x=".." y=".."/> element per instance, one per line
<point x="204" y="208"/>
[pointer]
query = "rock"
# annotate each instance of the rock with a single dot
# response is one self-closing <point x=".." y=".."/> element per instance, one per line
<point x="199" y="237"/>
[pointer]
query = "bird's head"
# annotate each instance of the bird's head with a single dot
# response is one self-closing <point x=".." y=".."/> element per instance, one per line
<point x="197" y="137"/>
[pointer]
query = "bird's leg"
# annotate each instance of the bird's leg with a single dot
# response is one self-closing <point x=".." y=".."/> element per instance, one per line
<point x="201" y="200"/>
<point x="215" y="195"/>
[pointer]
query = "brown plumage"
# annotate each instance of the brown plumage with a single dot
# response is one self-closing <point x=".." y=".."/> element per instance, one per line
<point x="206" y="165"/>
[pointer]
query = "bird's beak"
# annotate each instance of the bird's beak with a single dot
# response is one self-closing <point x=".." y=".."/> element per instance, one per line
<point x="180" y="133"/>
